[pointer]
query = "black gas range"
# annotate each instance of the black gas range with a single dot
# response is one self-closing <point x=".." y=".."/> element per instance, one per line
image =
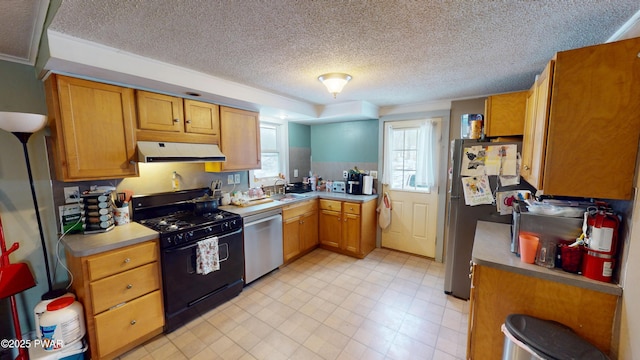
<point x="188" y="294"/>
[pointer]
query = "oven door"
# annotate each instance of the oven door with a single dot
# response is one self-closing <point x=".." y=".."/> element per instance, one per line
<point x="184" y="288"/>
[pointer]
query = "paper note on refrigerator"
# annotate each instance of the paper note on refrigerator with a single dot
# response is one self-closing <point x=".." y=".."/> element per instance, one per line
<point x="473" y="159"/>
<point x="477" y="190"/>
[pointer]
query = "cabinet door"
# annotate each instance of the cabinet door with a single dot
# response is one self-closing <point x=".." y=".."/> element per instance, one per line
<point x="291" y="238"/>
<point x="351" y="233"/>
<point x="528" y="139"/>
<point x="594" y="125"/>
<point x="93" y="129"/>
<point x="330" y="228"/>
<point x="540" y="123"/>
<point x="240" y="139"/>
<point x="159" y="112"/>
<point x="309" y="230"/>
<point x="505" y="114"/>
<point x="201" y="118"/>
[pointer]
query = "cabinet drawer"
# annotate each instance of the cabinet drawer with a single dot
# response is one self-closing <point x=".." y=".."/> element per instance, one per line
<point x="332" y="205"/>
<point x="116" y="261"/>
<point x="351" y="208"/>
<point x="119" y="327"/>
<point x="125" y="286"/>
<point x="298" y="209"/>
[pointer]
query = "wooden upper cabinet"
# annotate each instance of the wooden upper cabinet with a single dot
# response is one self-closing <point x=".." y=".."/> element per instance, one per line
<point x="169" y="118"/>
<point x="92" y="129"/>
<point x="505" y="114"/>
<point x="240" y="139"/>
<point x="201" y="118"/>
<point x="159" y="112"/>
<point x="592" y="126"/>
<point x="535" y="137"/>
<point x="527" y="145"/>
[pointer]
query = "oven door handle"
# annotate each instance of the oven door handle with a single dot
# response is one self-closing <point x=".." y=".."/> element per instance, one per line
<point x="196" y="243"/>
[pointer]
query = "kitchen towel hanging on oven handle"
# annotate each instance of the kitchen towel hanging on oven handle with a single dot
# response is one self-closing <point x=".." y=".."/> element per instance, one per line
<point x="384" y="211"/>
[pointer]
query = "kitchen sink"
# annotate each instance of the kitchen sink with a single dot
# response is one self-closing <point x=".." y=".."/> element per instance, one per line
<point x="288" y="197"/>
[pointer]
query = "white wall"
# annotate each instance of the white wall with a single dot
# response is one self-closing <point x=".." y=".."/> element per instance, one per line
<point x="629" y="344"/>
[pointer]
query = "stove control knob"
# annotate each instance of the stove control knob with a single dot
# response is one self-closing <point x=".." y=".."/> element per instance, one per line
<point x="179" y="238"/>
<point x="225" y="225"/>
<point x="208" y="229"/>
<point x="189" y="235"/>
<point x="233" y="223"/>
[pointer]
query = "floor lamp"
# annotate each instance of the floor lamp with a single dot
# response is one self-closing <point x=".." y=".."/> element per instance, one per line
<point x="23" y="125"/>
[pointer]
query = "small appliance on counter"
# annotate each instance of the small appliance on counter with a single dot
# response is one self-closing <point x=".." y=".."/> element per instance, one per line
<point x="339" y="187"/>
<point x="354" y="183"/>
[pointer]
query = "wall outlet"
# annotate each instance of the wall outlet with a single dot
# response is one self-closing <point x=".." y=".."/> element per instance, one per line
<point x="374" y="174"/>
<point x="237" y="179"/>
<point x="230" y="179"/>
<point x="345" y="174"/>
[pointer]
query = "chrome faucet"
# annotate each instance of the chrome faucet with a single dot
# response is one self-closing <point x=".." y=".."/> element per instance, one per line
<point x="275" y="186"/>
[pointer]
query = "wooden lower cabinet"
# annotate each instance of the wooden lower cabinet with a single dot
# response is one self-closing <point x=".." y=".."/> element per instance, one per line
<point x="121" y="293"/>
<point x="348" y="227"/>
<point x="300" y="229"/>
<point x="497" y="293"/>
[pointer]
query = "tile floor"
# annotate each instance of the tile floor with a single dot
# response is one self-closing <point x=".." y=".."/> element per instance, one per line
<point x="389" y="305"/>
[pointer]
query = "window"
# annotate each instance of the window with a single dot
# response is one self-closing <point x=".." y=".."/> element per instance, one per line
<point x="410" y="155"/>
<point x="273" y="147"/>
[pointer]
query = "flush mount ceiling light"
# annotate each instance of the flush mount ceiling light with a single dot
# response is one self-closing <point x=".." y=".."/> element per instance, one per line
<point x="334" y="82"/>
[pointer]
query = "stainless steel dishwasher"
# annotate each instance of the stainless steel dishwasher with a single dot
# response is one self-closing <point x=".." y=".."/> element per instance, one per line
<point x="262" y="244"/>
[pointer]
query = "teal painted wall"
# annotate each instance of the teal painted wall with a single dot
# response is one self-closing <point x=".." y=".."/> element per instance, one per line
<point x="20" y="91"/>
<point x="354" y="141"/>
<point x="299" y="135"/>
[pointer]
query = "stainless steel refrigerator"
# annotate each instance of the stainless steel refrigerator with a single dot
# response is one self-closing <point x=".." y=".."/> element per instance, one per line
<point x="462" y="219"/>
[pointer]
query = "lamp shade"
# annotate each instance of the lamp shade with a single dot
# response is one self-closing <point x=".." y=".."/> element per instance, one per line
<point x="21" y="122"/>
<point x="334" y="82"/>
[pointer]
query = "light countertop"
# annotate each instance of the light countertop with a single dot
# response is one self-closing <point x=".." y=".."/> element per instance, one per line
<point x="255" y="209"/>
<point x="492" y="248"/>
<point x="120" y="236"/>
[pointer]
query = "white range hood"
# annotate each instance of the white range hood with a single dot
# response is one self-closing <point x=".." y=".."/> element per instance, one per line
<point x="157" y="151"/>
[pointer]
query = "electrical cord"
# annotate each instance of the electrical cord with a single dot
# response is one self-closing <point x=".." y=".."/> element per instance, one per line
<point x="59" y="260"/>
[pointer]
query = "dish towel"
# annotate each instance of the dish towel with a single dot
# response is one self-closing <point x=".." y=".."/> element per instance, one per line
<point x="384" y="210"/>
<point x="207" y="259"/>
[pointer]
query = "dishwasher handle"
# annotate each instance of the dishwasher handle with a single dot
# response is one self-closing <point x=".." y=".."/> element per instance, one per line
<point x="258" y="221"/>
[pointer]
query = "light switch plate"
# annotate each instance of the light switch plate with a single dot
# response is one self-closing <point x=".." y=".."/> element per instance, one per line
<point x="237" y="178"/>
<point x="374" y="174"/>
<point x="71" y="194"/>
<point x="230" y="179"/>
<point x="295" y="172"/>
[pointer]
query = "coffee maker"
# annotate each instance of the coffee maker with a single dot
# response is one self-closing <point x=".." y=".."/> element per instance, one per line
<point x="354" y="183"/>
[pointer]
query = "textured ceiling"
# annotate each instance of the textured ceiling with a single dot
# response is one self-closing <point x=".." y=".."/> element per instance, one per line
<point x="398" y="52"/>
<point x="21" y="24"/>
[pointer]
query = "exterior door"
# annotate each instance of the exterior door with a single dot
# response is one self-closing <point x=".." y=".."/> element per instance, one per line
<point x="414" y="214"/>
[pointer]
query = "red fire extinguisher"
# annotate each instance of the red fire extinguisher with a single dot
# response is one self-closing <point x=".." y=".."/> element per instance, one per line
<point x="602" y="244"/>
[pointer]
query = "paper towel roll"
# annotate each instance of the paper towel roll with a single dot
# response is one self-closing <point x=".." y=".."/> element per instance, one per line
<point x="367" y="184"/>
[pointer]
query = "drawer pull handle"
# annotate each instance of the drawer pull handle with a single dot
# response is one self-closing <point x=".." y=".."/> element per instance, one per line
<point x="129" y="286"/>
<point x="133" y="322"/>
<point x="176" y="120"/>
<point x="127" y="260"/>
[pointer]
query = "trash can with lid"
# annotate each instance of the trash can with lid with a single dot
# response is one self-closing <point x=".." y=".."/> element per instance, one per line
<point x="527" y="337"/>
